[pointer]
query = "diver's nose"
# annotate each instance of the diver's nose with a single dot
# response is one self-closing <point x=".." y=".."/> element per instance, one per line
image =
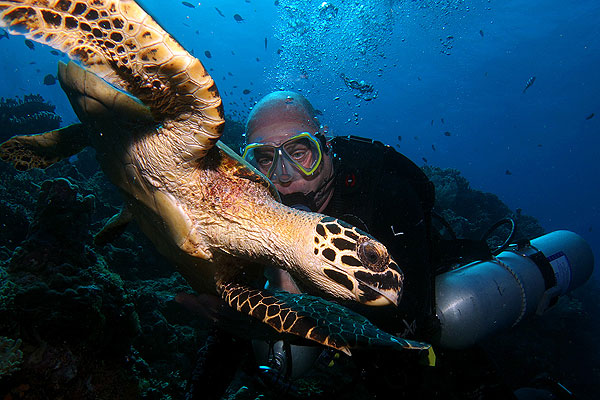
<point x="284" y="178"/>
<point x="283" y="173"/>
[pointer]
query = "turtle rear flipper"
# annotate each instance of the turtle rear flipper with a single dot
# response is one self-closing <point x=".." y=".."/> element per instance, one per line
<point x="114" y="227"/>
<point x="313" y="318"/>
<point x="42" y="150"/>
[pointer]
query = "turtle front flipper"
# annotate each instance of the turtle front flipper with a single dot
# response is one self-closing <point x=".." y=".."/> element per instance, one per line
<point x="312" y="318"/>
<point x="118" y="41"/>
<point x="42" y="150"/>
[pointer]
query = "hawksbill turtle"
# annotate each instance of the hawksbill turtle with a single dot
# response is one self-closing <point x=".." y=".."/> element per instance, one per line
<point x="154" y="116"/>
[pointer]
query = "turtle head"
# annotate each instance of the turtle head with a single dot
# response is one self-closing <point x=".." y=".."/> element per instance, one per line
<point x="353" y="265"/>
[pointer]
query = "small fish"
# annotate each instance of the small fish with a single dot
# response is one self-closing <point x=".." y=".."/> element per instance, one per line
<point x="207" y="54"/>
<point x="4" y="34"/>
<point x="318" y="112"/>
<point x="416" y="138"/>
<point x="529" y="83"/>
<point x="49" y="80"/>
<point x="447" y="133"/>
<point x="590" y="116"/>
<point x="190" y="5"/>
<point x="433" y="147"/>
<point x="279" y="51"/>
<point x="246" y="91"/>
<point x="238" y="18"/>
<point x="431" y="122"/>
<point x="442" y="119"/>
<point x="54" y="52"/>
<point x="257" y="59"/>
<point x="220" y="13"/>
<point x="424" y="159"/>
<point x="508" y="172"/>
<point x="29" y="44"/>
<point x="481" y="32"/>
<point x="265" y="43"/>
<point x="399" y="138"/>
<point x="540" y="145"/>
<point x="230" y="74"/>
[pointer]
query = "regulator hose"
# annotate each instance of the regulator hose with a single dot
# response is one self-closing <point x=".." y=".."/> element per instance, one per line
<point x="509" y="239"/>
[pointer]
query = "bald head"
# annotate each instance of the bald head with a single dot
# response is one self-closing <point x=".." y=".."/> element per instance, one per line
<point x="281" y="113"/>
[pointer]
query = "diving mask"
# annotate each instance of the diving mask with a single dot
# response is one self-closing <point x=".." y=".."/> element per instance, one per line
<point x="300" y="153"/>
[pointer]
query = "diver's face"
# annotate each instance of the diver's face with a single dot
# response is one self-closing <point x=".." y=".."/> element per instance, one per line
<point x="286" y="178"/>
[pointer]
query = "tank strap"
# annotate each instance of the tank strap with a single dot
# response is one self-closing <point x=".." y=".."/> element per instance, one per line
<point x="551" y="293"/>
<point x="545" y="268"/>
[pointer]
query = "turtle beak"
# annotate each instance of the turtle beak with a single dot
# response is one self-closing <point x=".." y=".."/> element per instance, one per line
<point x="365" y="286"/>
<point x="379" y="288"/>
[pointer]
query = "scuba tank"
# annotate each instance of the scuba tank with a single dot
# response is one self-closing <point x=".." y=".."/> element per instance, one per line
<point x="484" y="297"/>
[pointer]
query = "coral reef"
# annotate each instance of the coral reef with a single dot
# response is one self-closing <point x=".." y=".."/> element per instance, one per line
<point x="93" y="322"/>
<point x="60" y="298"/>
<point x="26" y="115"/>
<point x="472" y="212"/>
<point x="10" y="355"/>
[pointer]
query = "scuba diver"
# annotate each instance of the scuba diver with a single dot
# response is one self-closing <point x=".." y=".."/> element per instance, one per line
<point x="377" y="189"/>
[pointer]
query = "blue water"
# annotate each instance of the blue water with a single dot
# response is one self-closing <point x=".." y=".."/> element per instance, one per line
<point x="464" y="61"/>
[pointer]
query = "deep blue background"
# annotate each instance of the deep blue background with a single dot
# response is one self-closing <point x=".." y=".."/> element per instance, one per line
<point x="427" y="60"/>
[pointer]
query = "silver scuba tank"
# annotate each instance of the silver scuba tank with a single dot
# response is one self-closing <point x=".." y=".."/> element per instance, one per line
<point x="484" y="297"/>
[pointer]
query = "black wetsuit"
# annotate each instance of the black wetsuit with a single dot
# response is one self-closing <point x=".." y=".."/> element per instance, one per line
<point x="384" y="193"/>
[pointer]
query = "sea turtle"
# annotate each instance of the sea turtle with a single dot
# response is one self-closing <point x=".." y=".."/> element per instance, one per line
<point x="154" y="116"/>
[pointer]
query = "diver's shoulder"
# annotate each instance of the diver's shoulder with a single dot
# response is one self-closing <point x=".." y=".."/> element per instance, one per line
<point x="358" y="147"/>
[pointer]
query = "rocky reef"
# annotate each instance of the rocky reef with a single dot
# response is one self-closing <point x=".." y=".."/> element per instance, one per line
<point x="471" y="212"/>
<point x="79" y="321"/>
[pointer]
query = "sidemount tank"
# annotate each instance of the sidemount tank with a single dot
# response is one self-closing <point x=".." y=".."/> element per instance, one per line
<point x="485" y="297"/>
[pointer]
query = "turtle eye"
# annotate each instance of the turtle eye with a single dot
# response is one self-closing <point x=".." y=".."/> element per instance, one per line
<point x="373" y="255"/>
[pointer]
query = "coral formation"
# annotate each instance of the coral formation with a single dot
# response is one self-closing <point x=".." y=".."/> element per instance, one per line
<point x="10" y="355"/>
<point x="472" y="212"/>
<point x="94" y="322"/>
<point x="26" y="115"/>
